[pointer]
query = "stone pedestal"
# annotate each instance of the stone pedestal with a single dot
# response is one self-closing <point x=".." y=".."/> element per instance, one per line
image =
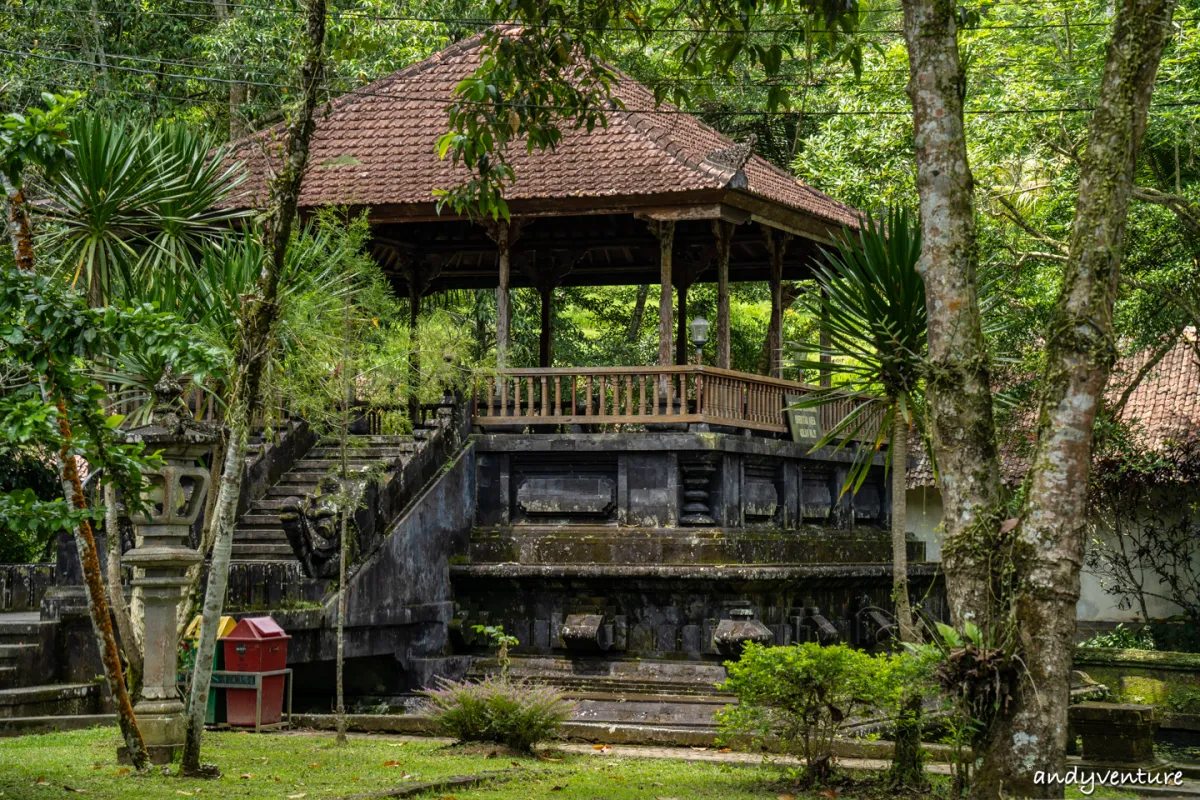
<point x="1115" y="732"/>
<point x="732" y="634"/>
<point x="173" y="499"/>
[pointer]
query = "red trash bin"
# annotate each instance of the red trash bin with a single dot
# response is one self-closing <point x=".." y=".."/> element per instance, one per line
<point x="257" y="644"/>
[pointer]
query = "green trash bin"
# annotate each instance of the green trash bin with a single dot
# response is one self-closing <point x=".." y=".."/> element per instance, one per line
<point x="215" y="713"/>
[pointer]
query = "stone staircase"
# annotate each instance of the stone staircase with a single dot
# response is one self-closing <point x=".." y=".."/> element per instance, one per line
<point x="27" y="705"/>
<point x="259" y="535"/>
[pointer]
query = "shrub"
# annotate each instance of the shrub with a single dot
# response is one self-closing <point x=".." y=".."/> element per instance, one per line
<point x="513" y="713"/>
<point x="1122" y="638"/>
<point x="803" y="695"/>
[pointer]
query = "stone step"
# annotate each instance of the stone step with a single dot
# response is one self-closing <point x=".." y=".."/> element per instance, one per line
<point x="56" y="699"/>
<point x="22" y="632"/>
<point x="318" y="468"/>
<point x="261" y="535"/>
<point x="12" y="654"/>
<point x="282" y="490"/>
<point x="259" y="521"/>
<point x="261" y="551"/>
<point x="267" y="505"/>
<point x="366" y="453"/>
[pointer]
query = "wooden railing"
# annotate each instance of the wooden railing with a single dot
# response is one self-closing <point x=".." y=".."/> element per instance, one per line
<point x="646" y="395"/>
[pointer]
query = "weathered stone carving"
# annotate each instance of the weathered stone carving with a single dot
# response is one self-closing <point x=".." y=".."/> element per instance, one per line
<point x="313" y="529"/>
<point x="732" y="634"/>
<point x="568" y="495"/>
<point x="813" y="627"/>
<point x="873" y="625"/>
<point x="697" y="502"/>
<point x="586" y="632"/>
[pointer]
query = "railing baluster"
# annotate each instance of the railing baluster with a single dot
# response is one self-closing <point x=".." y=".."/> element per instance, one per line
<point x="557" y="396"/>
<point x="545" y="398"/>
<point x="629" y="395"/>
<point x="587" y="388"/>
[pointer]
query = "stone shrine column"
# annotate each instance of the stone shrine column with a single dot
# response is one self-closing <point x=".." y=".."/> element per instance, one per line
<point x="173" y="499"/>
<point x="664" y="231"/>
<point x="777" y="242"/>
<point x="723" y="232"/>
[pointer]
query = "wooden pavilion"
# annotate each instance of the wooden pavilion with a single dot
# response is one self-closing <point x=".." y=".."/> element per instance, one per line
<point x="656" y="197"/>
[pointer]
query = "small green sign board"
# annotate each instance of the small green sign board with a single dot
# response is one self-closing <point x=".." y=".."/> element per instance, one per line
<point x="804" y="423"/>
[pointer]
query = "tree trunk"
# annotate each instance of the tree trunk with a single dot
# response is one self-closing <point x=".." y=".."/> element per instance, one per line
<point x="1030" y="735"/>
<point x="20" y="232"/>
<point x="89" y="559"/>
<point x="344" y="522"/>
<point x="639" y="313"/>
<point x="187" y="602"/>
<point x="218" y="574"/>
<point x="21" y="236"/>
<point x="257" y="317"/>
<point x="959" y="389"/>
<point x="116" y="594"/>
<point x="904" y="615"/>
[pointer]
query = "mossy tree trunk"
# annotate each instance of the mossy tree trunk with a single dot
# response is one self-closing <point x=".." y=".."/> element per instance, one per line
<point x="21" y="238"/>
<point x="1028" y="601"/>
<point x="1080" y="350"/>
<point x="256" y="325"/>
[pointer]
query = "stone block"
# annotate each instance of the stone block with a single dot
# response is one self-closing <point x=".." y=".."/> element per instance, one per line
<point x="1115" y="732"/>
<point x="541" y="633"/>
<point x="573" y="495"/>
<point x="586" y="632"/>
<point x="690" y="640"/>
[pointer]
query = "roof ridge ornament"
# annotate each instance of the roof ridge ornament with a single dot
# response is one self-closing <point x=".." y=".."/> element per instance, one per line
<point x="730" y="162"/>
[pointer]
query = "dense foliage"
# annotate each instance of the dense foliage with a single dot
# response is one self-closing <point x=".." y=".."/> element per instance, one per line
<point x="513" y="713"/>
<point x="803" y="695"/>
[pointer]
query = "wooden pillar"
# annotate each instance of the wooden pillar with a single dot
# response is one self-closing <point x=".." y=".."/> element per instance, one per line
<point x="723" y="232"/>
<point x="546" y="271"/>
<point x="686" y="267"/>
<point x="505" y="235"/>
<point x="665" y="231"/>
<point x="681" y="330"/>
<point x="826" y="342"/>
<point x="777" y="242"/>
<point x="420" y="273"/>
<point x="546" y="334"/>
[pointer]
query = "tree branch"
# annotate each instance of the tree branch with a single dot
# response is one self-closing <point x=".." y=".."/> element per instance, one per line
<point x="1024" y="224"/>
<point x="1187" y="211"/>
<point x="1155" y="357"/>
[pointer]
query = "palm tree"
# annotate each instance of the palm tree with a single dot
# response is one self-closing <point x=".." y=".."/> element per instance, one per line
<point x="134" y="204"/>
<point x="874" y="301"/>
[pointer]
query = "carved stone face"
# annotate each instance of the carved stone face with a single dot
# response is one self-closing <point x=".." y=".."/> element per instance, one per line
<point x="322" y="518"/>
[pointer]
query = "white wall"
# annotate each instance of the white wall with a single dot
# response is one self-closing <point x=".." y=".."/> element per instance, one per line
<point x="925" y="519"/>
<point x="1095" y="604"/>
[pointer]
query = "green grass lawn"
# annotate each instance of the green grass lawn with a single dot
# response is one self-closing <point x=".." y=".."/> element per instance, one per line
<point x="278" y="767"/>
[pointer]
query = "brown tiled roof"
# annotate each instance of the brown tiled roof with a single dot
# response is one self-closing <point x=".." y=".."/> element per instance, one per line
<point x="376" y="147"/>
<point x="1163" y="409"/>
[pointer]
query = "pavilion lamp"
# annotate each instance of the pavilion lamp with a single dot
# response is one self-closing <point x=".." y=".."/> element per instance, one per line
<point x="173" y="498"/>
<point x="699" y="328"/>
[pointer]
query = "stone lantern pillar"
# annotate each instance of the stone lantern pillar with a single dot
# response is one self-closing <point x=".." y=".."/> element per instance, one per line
<point x="173" y="496"/>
